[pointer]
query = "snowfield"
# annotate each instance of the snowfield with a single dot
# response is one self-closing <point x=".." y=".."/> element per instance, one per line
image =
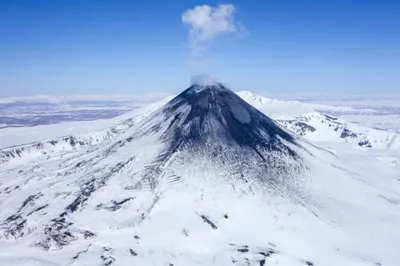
<point x="205" y="178"/>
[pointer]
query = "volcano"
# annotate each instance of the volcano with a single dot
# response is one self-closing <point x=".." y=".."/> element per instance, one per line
<point x="206" y="179"/>
<point x="211" y="122"/>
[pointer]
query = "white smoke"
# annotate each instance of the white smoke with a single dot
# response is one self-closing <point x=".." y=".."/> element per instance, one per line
<point x="203" y="80"/>
<point x="207" y="22"/>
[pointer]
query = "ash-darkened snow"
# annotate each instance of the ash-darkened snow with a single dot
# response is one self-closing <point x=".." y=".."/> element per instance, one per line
<point x="204" y="112"/>
<point x="211" y="122"/>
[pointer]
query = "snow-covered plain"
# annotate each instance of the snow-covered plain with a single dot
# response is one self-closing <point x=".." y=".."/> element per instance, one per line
<point x="204" y="179"/>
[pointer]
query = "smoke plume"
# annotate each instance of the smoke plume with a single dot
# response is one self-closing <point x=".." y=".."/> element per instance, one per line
<point x="206" y="23"/>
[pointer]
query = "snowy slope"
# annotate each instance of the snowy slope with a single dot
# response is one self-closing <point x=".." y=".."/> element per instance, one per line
<point x="309" y="121"/>
<point x="283" y="109"/>
<point x="204" y="180"/>
<point x="19" y="135"/>
<point x="18" y="144"/>
<point x="319" y="127"/>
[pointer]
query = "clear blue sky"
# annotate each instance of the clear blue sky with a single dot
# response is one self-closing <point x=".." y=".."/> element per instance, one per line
<point x="103" y="47"/>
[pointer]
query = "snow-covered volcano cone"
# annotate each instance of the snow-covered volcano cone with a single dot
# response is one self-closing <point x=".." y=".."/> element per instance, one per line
<point x="202" y="112"/>
<point x="211" y="124"/>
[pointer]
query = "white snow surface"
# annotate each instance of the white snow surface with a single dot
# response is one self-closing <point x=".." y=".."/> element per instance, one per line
<point x="309" y="121"/>
<point x="343" y="210"/>
<point x="13" y="136"/>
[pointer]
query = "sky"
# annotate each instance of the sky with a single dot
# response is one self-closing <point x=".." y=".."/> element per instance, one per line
<point x="66" y="47"/>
